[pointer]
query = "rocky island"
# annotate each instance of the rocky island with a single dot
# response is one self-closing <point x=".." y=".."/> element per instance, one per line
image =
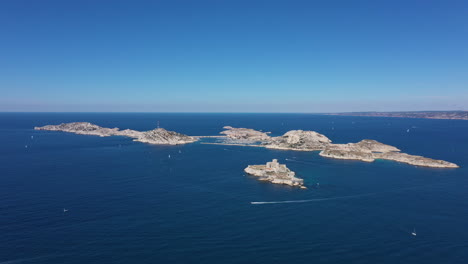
<point x="244" y="135"/>
<point x="158" y="136"/>
<point x="165" y="137"/>
<point x="365" y="150"/>
<point x="370" y="150"/>
<point x="86" y="128"/>
<point x="299" y="140"/>
<point x="275" y="173"/>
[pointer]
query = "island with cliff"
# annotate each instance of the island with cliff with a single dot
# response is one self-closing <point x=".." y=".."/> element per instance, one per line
<point x="366" y="150"/>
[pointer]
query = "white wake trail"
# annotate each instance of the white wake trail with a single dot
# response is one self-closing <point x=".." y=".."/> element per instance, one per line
<point x="316" y="200"/>
<point x="344" y="197"/>
<point x="299" y="161"/>
<point x="14" y="261"/>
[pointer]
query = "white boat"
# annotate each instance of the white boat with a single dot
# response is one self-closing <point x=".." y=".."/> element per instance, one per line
<point x="169" y="156"/>
<point x="407" y="131"/>
<point x="414" y="232"/>
<point x="65" y="210"/>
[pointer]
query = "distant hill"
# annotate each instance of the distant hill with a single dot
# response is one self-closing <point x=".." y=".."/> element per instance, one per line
<point x="463" y="115"/>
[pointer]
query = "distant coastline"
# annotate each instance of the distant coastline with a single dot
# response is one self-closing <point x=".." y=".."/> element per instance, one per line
<point x="459" y="115"/>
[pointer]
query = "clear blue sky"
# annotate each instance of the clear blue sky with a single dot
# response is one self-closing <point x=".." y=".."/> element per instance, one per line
<point x="233" y="56"/>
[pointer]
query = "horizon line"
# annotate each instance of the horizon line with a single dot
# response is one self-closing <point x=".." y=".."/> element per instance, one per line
<point x="196" y="112"/>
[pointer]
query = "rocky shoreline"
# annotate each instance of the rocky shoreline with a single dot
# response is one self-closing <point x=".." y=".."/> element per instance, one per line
<point x="275" y="173"/>
<point x="86" y="128"/>
<point x="370" y="150"/>
<point x="297" y="140"/>
<point x="164" y="137"/>
<point x="244" y="135"/>
<point x="158" y="136"/>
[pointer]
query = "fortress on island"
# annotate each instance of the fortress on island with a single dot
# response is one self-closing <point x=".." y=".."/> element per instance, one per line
<point x="295" y="140"/>
<point x="275" y="173"/>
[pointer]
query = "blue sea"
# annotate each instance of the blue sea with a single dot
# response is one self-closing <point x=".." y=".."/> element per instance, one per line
<point x="128" y="202"/>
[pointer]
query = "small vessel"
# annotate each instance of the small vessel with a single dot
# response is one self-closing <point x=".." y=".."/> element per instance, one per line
<point x="414" y="232"/>
<point x="25" y="146"/>
<point x="65" y="210"/>
<point x="169" y="156"/>
<point x="32" y="137"/>
<point x="407" y="131"/>
<point x="180" y="151"/>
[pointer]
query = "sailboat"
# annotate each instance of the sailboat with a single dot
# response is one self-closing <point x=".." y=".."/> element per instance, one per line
<point x="414" y="232"/>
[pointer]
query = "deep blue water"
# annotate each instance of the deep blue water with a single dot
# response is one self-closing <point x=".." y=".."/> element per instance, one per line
<point x="129" y="203"/>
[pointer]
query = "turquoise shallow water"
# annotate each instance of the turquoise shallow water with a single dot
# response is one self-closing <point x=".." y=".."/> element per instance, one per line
<point x="129" y="203"/>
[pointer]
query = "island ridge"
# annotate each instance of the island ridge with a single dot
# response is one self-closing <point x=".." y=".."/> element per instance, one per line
<point x="297" y="140"/>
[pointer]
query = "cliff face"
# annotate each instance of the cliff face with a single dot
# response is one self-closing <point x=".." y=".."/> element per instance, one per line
<point x="275" y="173"/>
<point x="299" y="140"/>
<point x="156" y="136"/>
<point x="164" y="137"/>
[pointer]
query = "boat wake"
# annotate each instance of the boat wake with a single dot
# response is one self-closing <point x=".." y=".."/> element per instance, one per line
<point x="299" y="161"/>
<point x="316" y="200"/>
<point x="343" y="197"/>
<point x="25" y="260"/>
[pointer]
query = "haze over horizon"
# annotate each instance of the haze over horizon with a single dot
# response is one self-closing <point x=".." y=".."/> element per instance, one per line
<point x="233" y="56"/>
